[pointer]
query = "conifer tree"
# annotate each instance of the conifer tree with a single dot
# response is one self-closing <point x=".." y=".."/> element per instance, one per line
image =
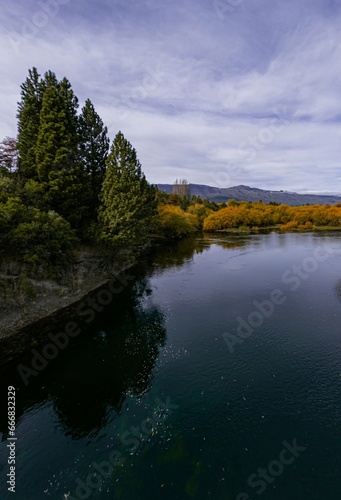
<point x="57" y="138"/>
<point x="28" y="124"/>
<point x="71" y="106"/>
<point x="68" y="196"/>
<point x="128" y="200"/>
<point x="49" y="80"/>
<point x="93" y="151"/>
<point x="57" y="159"/>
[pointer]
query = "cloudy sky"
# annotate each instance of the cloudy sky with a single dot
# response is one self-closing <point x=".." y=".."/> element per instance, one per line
<point x="220" y="92"/>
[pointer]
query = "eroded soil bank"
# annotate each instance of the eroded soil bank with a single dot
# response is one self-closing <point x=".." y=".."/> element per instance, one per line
<point x="32" y="308"/>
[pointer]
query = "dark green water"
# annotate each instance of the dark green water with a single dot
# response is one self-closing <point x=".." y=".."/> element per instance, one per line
<point x="153" y="386"/>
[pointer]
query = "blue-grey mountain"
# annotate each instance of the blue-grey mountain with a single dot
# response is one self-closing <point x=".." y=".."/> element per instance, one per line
<point x="246" y="193"/>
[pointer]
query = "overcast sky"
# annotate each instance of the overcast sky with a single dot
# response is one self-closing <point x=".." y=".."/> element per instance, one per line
<point x="220" y="92"/>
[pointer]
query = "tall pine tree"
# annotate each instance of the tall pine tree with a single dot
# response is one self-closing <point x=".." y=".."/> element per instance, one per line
<point x="28" y="124"/>
<point x="57" y="137"/>
<point x="93" y="151"/>
<point x="128" y="200"/>
<point x="49" y="80"/>
<point x="58" y="164"/>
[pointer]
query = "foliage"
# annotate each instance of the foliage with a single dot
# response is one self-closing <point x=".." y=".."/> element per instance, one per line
<point x="93" y="150"/>
<point x="46" y="240"/>
<point x="128" y="200"/>
<point x="161" y="197"/>
<point x="12" y="213"/>
<point x="33" y="194"/>
<point x="68" y="195"/>
<point x="8" y="188"/>
<point x="201" y="211"/>
<point x="261" y="215"/>
<point x="232" y="203"/>
<point x="56" y="143"/>
<point x="175" y="222"/>
<point x="28" y="124"/>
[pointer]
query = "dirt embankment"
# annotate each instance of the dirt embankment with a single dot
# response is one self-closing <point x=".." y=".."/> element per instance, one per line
<point x="29" y="305"/>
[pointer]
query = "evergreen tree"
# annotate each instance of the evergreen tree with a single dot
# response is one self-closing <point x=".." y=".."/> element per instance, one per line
<point x="93" y="151"/>
<point x="71" y="106"/>
<point x="57" y="159"/>
<point x="28" y="124"/>
<point x="49" y="80"/>
<point x="57" y="138"/>
<point x="68" y="196"/>
<point x="128" y="200"/>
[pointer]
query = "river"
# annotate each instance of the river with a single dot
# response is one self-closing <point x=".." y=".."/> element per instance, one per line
<point x="215" y="373"/>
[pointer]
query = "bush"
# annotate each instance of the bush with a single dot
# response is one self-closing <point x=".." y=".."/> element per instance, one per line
<point x="12" y="212"/>
<point x="47" y="240"/>
<point x="174" y="222"/>
<point x="34" y="194"/>
<point x="8" y="189"/>
<point x="201" y="211"/>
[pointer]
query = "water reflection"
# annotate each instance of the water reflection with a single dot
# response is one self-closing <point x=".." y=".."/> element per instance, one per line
<point x="233" y="410"/>
<point x="228" y="241"/>
<point x="90" y="380"/>
<point x="116" y="356"/>
<point x="118" y="360"/>
<point x="179" y="253"/>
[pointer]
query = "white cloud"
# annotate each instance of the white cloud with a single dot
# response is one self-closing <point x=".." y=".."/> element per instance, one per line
<point x="188" y="89"/>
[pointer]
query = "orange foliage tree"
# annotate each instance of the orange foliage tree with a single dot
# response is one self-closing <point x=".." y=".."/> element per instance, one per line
<point x="283" y="216"/>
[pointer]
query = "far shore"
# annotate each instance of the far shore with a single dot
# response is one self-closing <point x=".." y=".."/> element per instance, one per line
<point x="275" y="228"/>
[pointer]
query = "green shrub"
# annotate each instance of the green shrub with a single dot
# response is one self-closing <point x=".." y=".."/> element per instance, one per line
<point x="47" y="240"/>
<point x="12" y="212"/>
<point x="8" y="188"/>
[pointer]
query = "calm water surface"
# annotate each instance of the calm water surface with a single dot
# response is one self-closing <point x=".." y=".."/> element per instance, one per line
<point x="181" y="412"/>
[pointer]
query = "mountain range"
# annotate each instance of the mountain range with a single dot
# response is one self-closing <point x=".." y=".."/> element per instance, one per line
<point x="246" y="193"/>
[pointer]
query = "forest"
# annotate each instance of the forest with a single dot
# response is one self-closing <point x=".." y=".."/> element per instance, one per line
<point x="63" y="184"/>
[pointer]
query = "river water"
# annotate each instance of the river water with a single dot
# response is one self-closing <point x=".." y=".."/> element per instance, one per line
<point x="214" y="374"/>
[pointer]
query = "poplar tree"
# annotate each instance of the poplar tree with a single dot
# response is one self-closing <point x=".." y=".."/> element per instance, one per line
<point x="182" y="189"/>
<point x="128" y="200"/>
<point x="93" y="151"/>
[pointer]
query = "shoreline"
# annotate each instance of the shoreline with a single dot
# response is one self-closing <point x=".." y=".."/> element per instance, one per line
<point x="26" y="327"/>
<point x="260" y="230"/>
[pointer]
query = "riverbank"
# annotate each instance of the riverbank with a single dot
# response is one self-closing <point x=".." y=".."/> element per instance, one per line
<point x="23" y="317"/>
<point x="267" y="229"/>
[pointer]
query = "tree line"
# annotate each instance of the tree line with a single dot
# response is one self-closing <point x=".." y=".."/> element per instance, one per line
<point x="285" y="217"/>
<point x="61" y="183"/>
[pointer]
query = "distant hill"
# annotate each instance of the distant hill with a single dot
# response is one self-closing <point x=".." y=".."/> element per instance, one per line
<point x="246" y="193"/>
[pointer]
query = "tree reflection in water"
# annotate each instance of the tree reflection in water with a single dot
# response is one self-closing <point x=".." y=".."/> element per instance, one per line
<point x="92" y="376"/>
<point x="115" y="357"/>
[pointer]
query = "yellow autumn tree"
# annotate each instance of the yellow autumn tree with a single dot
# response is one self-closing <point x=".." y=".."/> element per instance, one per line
<point x="174" y="222"/>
